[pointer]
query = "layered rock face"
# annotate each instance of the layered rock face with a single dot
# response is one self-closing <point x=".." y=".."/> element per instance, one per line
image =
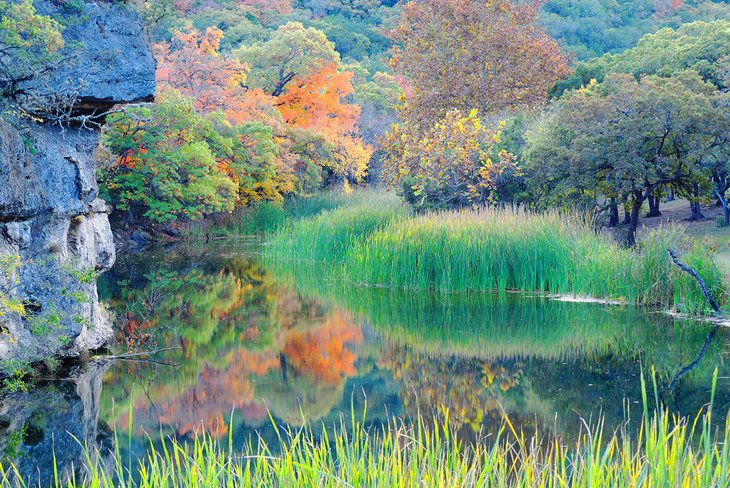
<point x="50" y="213"/>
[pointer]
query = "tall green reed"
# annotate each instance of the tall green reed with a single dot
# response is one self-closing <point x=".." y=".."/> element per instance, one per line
<point x="666" y="450"/>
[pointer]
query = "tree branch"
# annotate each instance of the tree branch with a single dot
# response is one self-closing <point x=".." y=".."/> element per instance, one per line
<point x="700" y="281"/>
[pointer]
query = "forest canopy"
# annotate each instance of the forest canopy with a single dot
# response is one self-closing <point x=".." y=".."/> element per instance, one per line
<point x="294" y="97"/>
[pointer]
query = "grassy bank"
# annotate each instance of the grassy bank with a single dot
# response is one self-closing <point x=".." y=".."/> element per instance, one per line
<point x="667" y="451"/>
<point x="267" y="217"/>
<point x="377" y="243"/>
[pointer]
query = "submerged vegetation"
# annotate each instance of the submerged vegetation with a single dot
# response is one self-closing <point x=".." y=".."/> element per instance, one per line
<point x="378" y="243"/>
<point x="667" y="451"/>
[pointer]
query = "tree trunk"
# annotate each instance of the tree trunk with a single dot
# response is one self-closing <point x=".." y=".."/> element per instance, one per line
<point x="627" y="217"/>
<point x="725" y="208"/>
<point x="654" y="207"/>
<point x="631" y="229"/>
<point x="696" y="211"/>
<point x="613" y="213"/>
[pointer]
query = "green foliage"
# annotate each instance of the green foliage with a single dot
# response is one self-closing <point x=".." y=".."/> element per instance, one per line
<point x="28" y="40"/>
<point x="590" y="28"/>
<point x="625" y="139"/>
<point x="15" y="372"/>
<point x="703" y="47"/>
<point x="292" y="48"/>
<point x="167" y="167"/>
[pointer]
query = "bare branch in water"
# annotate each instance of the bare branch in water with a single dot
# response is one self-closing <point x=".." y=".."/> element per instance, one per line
<point x="703" y="350"/>
<point x="700" y="281"/>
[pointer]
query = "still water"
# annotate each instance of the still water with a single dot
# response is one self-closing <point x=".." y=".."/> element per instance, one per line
<point x="246" y="346"/>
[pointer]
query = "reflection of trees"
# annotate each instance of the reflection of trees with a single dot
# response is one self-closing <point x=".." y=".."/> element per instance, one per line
<point x="471" y="390"/>
<point x="578" y="359"/>
<point x="513" y="326"/>
<point x="247" y="345"/>
<point x="321" y="353"/>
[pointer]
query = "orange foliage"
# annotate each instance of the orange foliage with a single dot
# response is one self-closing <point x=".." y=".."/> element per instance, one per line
<point x="256" y="106"/>
<point x="192" y="64"/>
<point x="315" y="102"/>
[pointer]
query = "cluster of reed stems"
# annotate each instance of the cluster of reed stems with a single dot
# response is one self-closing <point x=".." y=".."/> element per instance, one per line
<point x="665" y="450"/>
<point x="380" y="243"/>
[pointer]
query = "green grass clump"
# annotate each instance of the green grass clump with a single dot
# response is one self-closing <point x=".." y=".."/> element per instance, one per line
<point x="499" y="250"/>
<point x="266" y="217"/>
<point x="662" y="450"/>
<point x="328" y="236"/>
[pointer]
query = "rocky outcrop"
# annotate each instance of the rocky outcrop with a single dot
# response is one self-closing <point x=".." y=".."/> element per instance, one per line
<point x="50" y="213"/>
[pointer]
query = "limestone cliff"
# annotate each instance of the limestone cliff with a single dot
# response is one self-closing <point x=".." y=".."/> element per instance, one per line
<point x="50" y="213"/>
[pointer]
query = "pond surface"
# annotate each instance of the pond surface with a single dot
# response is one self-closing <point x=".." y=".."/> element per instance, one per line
<point x="248" y="346"/>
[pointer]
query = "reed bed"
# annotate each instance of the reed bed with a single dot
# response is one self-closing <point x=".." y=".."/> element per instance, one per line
<point x="500" y="250"/>
<point x="328" y="236"/>
<point x="663" y="451"/>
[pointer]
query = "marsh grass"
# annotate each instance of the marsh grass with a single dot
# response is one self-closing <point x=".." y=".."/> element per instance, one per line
<point x="665" y="450"/>
<point x="493" y="249"/>
<point x="331" y="234"/>
<point x="266" y="217"/>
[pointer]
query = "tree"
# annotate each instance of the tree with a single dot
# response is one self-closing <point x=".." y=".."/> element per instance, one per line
<point x="29" y="42"/>
<point x="470" y="54"/>
<point x="292" y="54"/>
<point x="449" y="165"/>
<point x="164" y="166"/>
<point x="590" y="28"/>
<point x="703" y="47"/>
<point x="191" y="63"/>
<point x="315" y="102"/>
<point x="623" y="139"/>
<point x="711" y="149"/>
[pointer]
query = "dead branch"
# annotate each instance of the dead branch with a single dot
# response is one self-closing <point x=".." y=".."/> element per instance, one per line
<point x="700" y="281"/>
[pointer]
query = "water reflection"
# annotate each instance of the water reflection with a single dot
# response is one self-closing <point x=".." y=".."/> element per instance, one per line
<point x="55" y="418"/>
<point x="254" y="344"/>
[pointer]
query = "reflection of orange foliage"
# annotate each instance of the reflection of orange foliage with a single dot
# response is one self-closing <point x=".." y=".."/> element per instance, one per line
<point x="322" y="352"/>
<point x="209" y="403"/>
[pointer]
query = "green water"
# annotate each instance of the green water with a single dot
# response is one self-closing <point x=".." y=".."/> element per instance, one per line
<point x="249" y="346"/>
<point x="255" y="341"/>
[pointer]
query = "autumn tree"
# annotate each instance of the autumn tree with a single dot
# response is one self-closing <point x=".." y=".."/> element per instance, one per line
<point x="299" y="68"/>
<point x="449" y="165"/>
<point x="468" y="54"/>
<point x="192" y="64"/>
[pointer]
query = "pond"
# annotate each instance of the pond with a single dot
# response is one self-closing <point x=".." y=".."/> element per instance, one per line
<point x="248" y="347"/>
